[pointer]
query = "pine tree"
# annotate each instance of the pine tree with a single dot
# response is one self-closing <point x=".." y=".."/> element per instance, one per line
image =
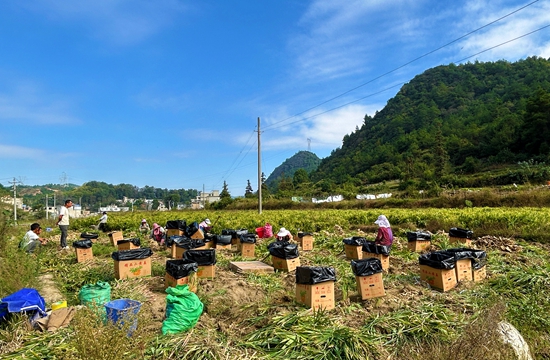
<point x="248" y="191"/>
<point x="225" y="192"/>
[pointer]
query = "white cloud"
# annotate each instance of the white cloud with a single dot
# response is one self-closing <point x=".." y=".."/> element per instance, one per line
<point x="28" y="103"/>
<point x="20" y="152"/>
<point x="122" y="22"/>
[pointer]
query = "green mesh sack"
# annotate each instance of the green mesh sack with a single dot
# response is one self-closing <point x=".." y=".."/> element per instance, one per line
<point x="95" y="295"/>
<point x="183" y="309"/>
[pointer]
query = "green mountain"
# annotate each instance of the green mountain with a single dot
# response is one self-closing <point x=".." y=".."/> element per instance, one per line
<point x="301" y="160"/>
<point x="450" y="120"/>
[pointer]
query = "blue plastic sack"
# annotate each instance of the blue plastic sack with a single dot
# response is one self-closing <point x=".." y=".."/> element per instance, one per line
<point x="23" y="300"/>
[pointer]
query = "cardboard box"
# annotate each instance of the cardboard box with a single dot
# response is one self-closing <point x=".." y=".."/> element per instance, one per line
<point x="209" y="245"/>
<point x="132" y="268"/>
<point x="173" y="232"/>
<point x="247" y="250"/>
<point x="199" y="234"/>
<point x="306" y="242"/>
<point x="126" y="246"/>
<point x="84" y="254"/>
<point x="466" y="242"/>
<point x="285" y="264"/>
<point x="177" y="251"/>
<point x="191" y="281"/>
<point x="371" y="286"/>
<point x="235" y="241"/>
<point x="222" y="247"/>
<point x="206" y="271"/>
<point x="464" y="270"/>
<point x="419" y="245"/>
<point x="384" y="259"/>
<point x="441" y="279"/>
<point x="479" y="274"/>
<point x="115" y="236"/>
<point x="353" y="252"/>
<point x="317" y="296"/>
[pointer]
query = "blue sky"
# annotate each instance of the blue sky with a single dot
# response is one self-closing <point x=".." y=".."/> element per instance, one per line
<point x="167" y="93"/>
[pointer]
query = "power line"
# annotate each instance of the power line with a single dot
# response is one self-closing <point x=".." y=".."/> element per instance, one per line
<point x="405" y="64"/>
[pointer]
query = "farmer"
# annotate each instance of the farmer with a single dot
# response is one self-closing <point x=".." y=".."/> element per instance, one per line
<point x="205" y="225"/>
<point x="284" y="235"/>
<point x="157" y="233"/>
<point x="385" y="235"/>
<point x="144" y="227"/>
<point x="103" y="222"/>
<point x="63" y="223"/>
<point x="31" y="239"/>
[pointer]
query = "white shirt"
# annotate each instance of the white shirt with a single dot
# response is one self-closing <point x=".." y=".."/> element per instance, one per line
<point x="103" y="219"/>
<point x="29" y="237"/>
<point x="65" y="219"/>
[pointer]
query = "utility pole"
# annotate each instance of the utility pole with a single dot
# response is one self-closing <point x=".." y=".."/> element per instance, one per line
<point x="259" y="171"/>
<point x="203" y="198"/>
<point x="46" y="207"/>
<point x="14" y="183"/>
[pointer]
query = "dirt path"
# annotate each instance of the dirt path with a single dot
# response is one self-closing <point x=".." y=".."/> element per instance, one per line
<point x="48" y="290"/>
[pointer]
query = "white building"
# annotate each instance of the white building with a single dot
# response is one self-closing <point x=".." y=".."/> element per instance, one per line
<point x="205" y="198"/>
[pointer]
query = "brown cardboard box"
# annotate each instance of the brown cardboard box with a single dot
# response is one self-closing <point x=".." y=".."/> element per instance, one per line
<point x="479" y="274"/>
<point x="173" y="232"/>
<point x="306" y="242"/>
<point x="316" y="296"/>
<point x="464" y="270"/>
<point x="222" y="247"/>
<point x="127" y="245"/>
<point x="353" y="252"/>
<point x="247" y="250"/>
<point x="384" y="259"/>
<point x="132" y="268"/>
<point x="177" y="251"/>
<point x="419" y="245"/>
<point x="441" y="279"/>
<point x="285" y="264"/>
<point x="235" y="241"/>
<point x="190" y="280"/>
<point x="206" y="271"/>
<point x="464" y="241"/>
<point x="371" y="286"/>
<point x="115" y="236"/>
<point x="84" y="254"/>
<point x="199" y="234"/>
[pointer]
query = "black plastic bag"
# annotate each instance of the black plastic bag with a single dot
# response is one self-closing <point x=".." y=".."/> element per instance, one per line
<point x="188" y="243"/>
<point x="176" y="239"/>
<point x="134" y="241"/>
<point x="209" y="237"/>
<point x="223" y="239"/>
<point x="180" y="268"/>
<point x="366" y="267"/>
<point x="192" y="228"/>
<point x="82" y="244"/>
<point x="438" y="260"/>
<point x="87" y="235"/>
<point x="241" y="232"/>
<point x="283" y="250"/>
<point x="461" y="233"/>
<point x="248" y="239"/>
<point x="418" y="235"/>
<point x="201" y="257"/>
<point x="478" y="257"/>
<point x="134" y="254"/>
<point x="176" y="224"/>
<point x="310" y="275"/>
<point x="371" y="247"/>
<point x="231" y="232"/>
<point x="302" y="234"/>
<point x="355" y="240"/>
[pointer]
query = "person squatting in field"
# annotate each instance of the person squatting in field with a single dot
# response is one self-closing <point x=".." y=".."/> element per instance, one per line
<point x="31" y="240"/>
<point x="385" y="235"/>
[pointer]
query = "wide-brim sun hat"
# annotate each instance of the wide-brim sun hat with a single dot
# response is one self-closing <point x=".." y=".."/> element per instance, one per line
<point x="207" y="221"/>
<point x="283" y="232"/>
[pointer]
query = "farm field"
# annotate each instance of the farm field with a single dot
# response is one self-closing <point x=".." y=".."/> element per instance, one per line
<point x="255" y="316"/>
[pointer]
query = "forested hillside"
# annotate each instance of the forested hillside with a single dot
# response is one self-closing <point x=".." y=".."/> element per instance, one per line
<point x="305" y="160"/>
<point x="455" y="119"/>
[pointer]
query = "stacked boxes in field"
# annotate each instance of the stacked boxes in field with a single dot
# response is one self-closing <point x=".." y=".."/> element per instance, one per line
<point x="175" y="228"/>
<point x="419" y="241"/>
<point x="284" y="255"/>
<point x="115" y="236"/>
<point x="132" y="263"/>
<point x="462" y="236"/>
<point x="128" y="244"/>
<point x="206" y="261"/>
<point x="181" y="272"/>
<point x="305" y="240"/>
<point x="89" y="236"/>
<point x="438" y="270"/>
<point x="247" y="245"/>
<point x="315" y="286"/>
<point x="368" y="276"/>
<point x="180" y="244"/>
<point x="353" y="247"/>
<point x="236" y="236"/>
<point x="194" y="232"/>
<point x="222" y="242"/>
<point x="83" y="249"/>
<point x="209" y="240"/>
<point x="380" y="252"/>
<point x="470" y="264"/>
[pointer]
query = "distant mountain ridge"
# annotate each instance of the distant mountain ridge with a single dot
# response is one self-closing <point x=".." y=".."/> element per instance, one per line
<point x="301" y="160"/>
